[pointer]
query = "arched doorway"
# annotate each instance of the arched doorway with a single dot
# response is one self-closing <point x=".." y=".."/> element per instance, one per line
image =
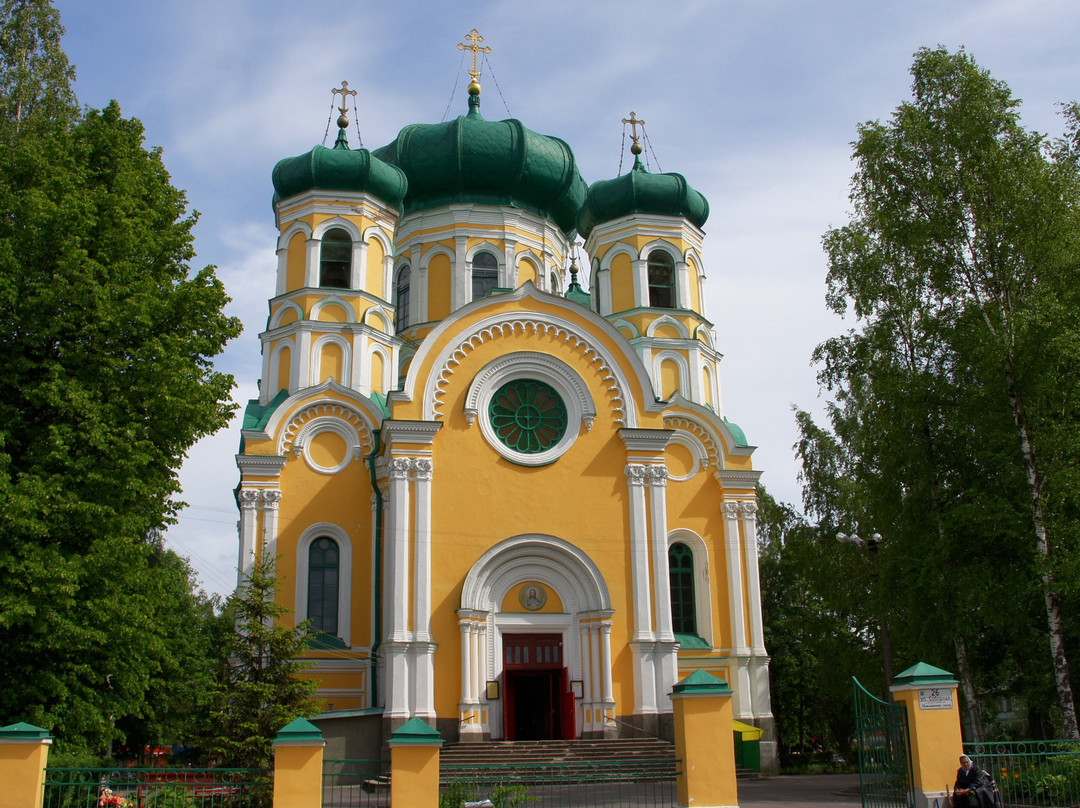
<point x="535" y="669"/>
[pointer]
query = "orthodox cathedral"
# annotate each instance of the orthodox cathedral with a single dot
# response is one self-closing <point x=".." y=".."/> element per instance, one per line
<point x="509" y="506"/>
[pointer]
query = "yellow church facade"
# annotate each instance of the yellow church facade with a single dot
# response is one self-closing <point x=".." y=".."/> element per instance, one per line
<point x="509" y="506"/>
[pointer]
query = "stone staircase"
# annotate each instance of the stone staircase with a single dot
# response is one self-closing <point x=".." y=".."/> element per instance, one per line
<point x="564" y="761"/>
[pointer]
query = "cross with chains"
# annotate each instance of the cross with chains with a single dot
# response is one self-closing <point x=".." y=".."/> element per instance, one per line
<point x="345" y="92"/>
<point x="634" y="122"/>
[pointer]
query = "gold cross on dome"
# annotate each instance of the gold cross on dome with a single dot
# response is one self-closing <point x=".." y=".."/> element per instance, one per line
<point x="344" y="92"/>
<point x="634" y="122"/>
<point x="474" y="37"/>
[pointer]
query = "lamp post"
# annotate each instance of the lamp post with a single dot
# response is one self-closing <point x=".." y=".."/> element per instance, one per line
<point x="872" y="546"/>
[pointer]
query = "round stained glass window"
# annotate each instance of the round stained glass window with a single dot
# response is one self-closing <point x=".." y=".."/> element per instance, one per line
<point x="528" y="416"/>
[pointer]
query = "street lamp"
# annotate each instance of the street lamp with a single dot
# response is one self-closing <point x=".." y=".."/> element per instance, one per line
<point x="872" y="545"/>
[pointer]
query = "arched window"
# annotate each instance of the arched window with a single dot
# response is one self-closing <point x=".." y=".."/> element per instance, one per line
<point x="681" y="573"/>
<point x="401" y="292"/>
<point x="335" y="264"/>
<point x="554" y="280"/>
<point x="661" y="280"/>
<point x="485" y="274"/>
<point x="322" y="590"/>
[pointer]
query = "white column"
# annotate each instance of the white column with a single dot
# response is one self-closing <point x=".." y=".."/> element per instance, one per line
<point x="465" y="627"/>
<point x="422" y="473"/>
<point x="249" y="518"/>
<point x="461" y="277"/>
<point x="358" y="270"/>
<point x="734" y="570"/>
<point x="658" y="475"/>
<point x="397" y="550"/>
<point x="753" y="580"/>
<point x="639" y="553"/>
<point x="682" y="286"/>
<point x="641" y="282"/>
<point x="596" y="677"/>
<point x="311" y="271"/>
<point x="605" y="667"/>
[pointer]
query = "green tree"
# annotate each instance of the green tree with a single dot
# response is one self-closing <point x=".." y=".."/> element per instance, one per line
<point x="35" y="76"/>
<point x="260" y="689"/>
<point x="957" y="415"/>
<point x="107" y="340"/>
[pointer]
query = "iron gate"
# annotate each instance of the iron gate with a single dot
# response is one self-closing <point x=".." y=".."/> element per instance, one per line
<point x="881" y="735"/>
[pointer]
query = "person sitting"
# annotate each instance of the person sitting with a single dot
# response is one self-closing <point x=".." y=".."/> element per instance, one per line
<point x="973" y="786"/>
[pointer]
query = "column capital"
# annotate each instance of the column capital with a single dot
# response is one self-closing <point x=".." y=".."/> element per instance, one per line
<point x="731" y="509"/>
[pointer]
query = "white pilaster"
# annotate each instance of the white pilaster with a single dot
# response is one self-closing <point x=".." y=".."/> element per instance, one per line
<point x="397" y="550"/>
<point x="657" y="484"/>
<point x="422" y="473"/>
<point x="636" y="475"/>
<point x="249" y="518"/>
<point x="753" y="580"/>
<point x="734" y="569"/>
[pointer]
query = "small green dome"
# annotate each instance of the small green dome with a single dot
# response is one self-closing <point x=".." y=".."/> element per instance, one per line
<point x="487" y="162"/>
<point x="339" y="169"/>
<point x="638" y="191"/>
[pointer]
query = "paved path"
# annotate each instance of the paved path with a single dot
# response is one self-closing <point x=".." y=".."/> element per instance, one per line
<point x="817" y="790"/>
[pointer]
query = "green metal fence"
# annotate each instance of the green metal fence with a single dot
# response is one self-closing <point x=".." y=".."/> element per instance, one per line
<point x="881" y="735"/>
<point x="157" y="788"/>
<point x="356" y="784"/>
<point x="1031" y="773"/>
<point x="636" y="783"/>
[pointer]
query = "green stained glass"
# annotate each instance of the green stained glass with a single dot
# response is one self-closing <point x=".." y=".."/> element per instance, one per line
<point x="527" y="416"/>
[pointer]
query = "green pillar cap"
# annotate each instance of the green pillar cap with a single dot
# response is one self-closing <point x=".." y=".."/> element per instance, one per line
<point x="702" y="682"/>
<point x="23" y="732"/>
<point x="299" y="730"/>
<point x="415" y="731"/>
<point x="922" y="674"/>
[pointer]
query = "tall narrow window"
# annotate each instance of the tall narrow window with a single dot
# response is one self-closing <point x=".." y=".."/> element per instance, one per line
<point x="335" y="264"/>
<point x="681" y="572"/>
<point x="322" y="592"/>
<point x="485" y="274"/>
<point x="402" y="298"/>
<point x="661" y="270"/>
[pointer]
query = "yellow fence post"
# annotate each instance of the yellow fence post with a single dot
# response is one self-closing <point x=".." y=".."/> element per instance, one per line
<point x="704" y="742"/>
<point x="298" y="765"/>
<point x="414" y="765"/>
<point x="24" y="751"/>
<point x="929" y="695"/>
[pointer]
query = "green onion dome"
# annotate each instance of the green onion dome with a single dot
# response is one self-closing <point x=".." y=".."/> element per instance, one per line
<point x="638" y="191"/>
<point x="492" y="163"/>
<point x="339" y="169"/>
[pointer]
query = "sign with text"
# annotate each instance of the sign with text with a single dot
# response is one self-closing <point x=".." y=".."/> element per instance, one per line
<point x="937" y="698"/>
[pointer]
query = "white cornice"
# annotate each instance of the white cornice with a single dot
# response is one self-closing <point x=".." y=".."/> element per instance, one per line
<point x="646" y="440"/>
<point x="738" y="478"/>
<point x="260" y="465"/>
<point x="396" y="432"/>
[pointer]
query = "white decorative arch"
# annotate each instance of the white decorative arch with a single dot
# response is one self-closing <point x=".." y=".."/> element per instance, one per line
<point x="621" y="248"/>
<point x="488" y="247"/>
<point x="532" y="261"/>
<point x="273" y="378"/>
<point x="388" y="369"/>
<point x="383" y="316"/>
<point x="303" y="548"/>
<point x="328" y="423"/>
<point x="535" y="557"/>
<point x="293" y="434"/>
<point x="380" y="235"/>
<point x="704" y="335"/>
<point x="335" y="300"/>
<point x="702" y="433"/>
<point x="702" y="576"/>
<point x="629" y="326"/>
<point x="279" y="315"/>
<point x="287" y="234"/>
<point x="684" y="371"/>
<point x="346" y="357"/>
<point x="529" y="365"/>
<point x="664" y="246"/>
<point x="337" y="223"/>
<point x="692" y="443"/>
<point x="669" y="321"/>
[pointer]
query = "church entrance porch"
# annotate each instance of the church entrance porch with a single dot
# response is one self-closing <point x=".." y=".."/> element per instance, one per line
<point x="538" y="705"/>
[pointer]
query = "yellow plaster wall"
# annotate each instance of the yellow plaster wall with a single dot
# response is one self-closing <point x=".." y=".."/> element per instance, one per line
<point x="669" y="378"/>
<point x="622" y="283"/>
<point x="438" y="287"/>
<point x="298" y="774"/>
<point x="695" y="286"/>
<point x="284" y="371"/>
<point x="289" y="317"/>
<point x="333" y="313"/>
<point x="375" y="321"/>
<point x="706" y="387"/>
<point x="373" y="284"/>
<point x="667" y="332"/>
<point x="526" y="272"/>
<point x="22" y="768"/>
<point x="378" y="372"/>
<point x="296" y="262"/>
<point x="331" y="362"/>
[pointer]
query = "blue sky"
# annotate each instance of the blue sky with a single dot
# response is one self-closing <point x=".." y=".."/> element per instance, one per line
<point x="755" y="102"/>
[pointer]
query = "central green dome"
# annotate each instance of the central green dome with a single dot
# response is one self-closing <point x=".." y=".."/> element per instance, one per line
<point x="487" y="162"/>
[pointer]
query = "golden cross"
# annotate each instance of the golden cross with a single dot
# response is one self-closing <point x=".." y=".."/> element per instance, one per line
<point x="345" y="92"/>
<point x="634" y="122"/>
<point x="475" y="38"/>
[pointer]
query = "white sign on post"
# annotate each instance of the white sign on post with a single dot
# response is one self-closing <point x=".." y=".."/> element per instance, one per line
<point x="937" y="698"/>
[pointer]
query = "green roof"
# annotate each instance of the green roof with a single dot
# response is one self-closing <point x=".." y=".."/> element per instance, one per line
<point x="339" y="169"/>
<point x="688" y="641"/>
<point x="256" y="416"/>
<point x="638" y="191"/>
<point x="702" y="682"/>
<point x="23" y="732"/>
<point x="415" y="731"/>
<point x="470" y="160"/>
<point x="923" y="674"/>
<point x="299" y="730"/>
<point x="736" y="432"/>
